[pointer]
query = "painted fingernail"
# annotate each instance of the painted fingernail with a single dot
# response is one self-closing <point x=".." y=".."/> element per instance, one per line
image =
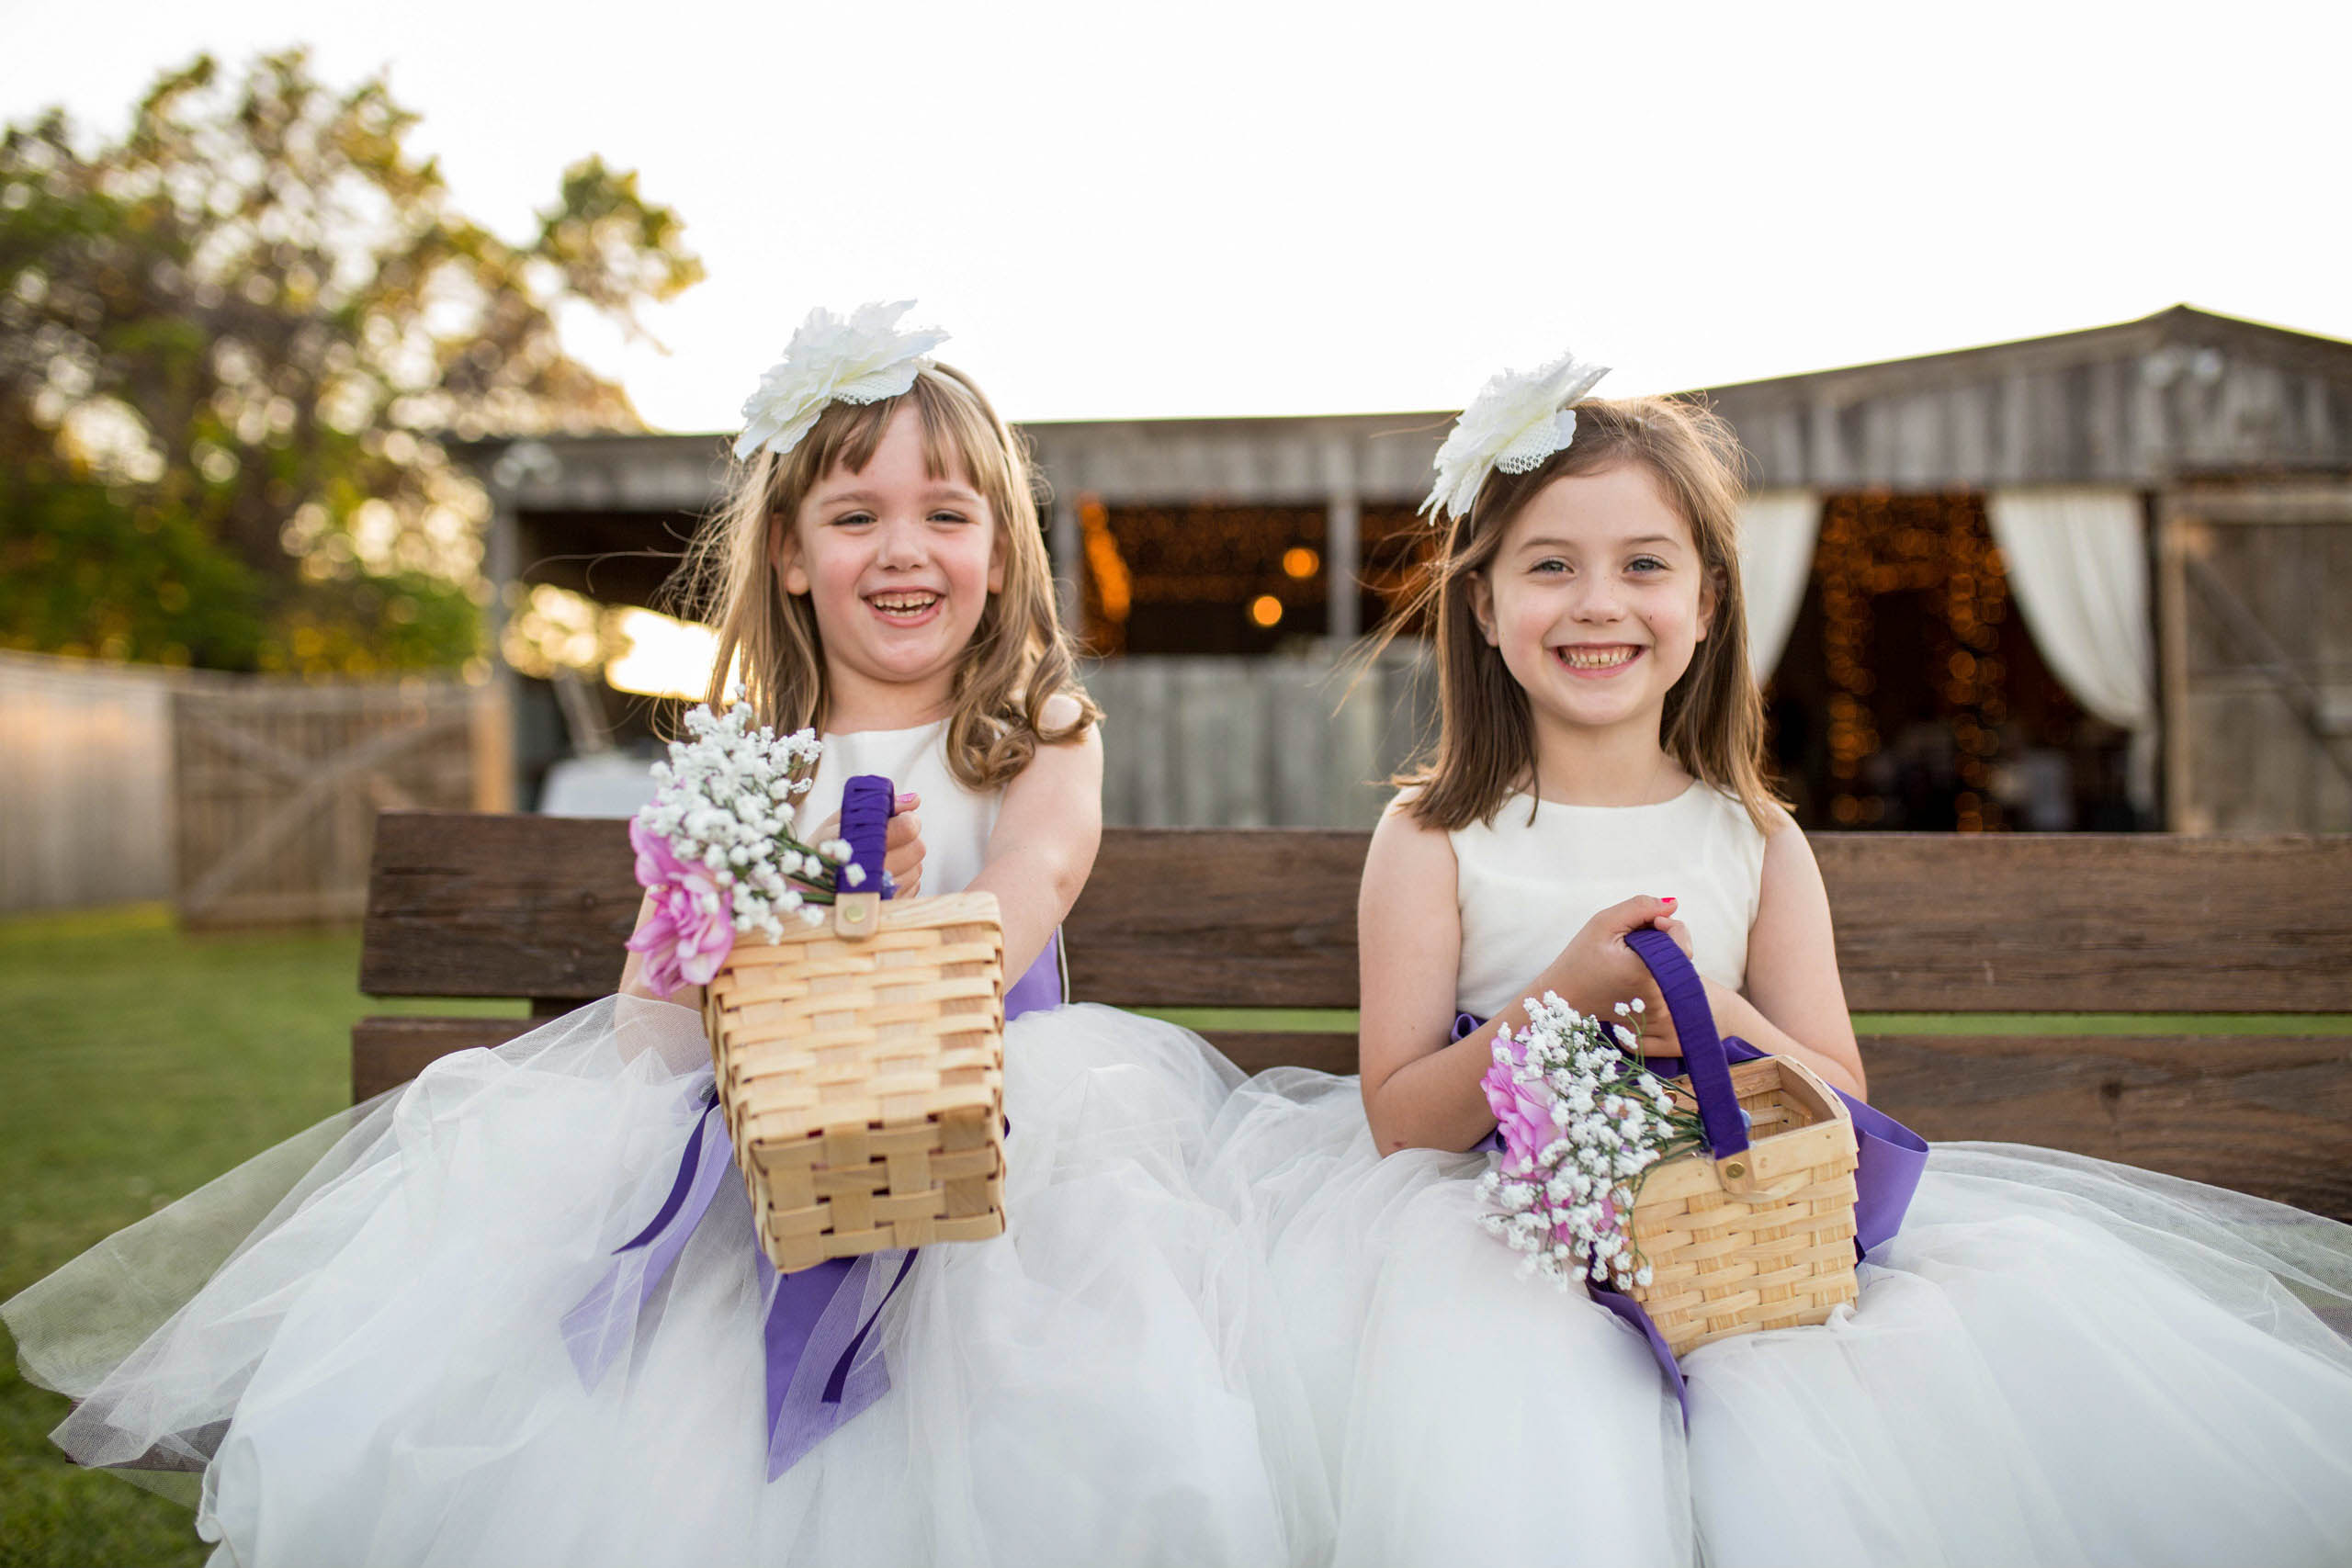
<point x="906" y="802"/>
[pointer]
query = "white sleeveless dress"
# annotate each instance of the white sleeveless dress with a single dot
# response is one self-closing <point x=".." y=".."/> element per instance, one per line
<point x="378" y="1375"/>
<point x="2056" y="1361"/>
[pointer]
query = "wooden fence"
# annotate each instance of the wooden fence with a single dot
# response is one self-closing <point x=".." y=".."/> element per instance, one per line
<point x="1296" y="740"/>
<point x="86" y="787"/>
<point x="242" y="799"/>
<point x="278" y="784"/>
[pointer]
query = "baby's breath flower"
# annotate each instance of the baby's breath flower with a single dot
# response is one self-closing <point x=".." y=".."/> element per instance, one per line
<point x="1601" y="1119"/>
<point x="723" y="802"/>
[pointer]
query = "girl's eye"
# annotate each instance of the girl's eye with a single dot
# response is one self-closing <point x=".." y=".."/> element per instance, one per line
<point x="949" y="517"/>
<point x="853" y="519"/>
<point x="1549" y="564"/>
<point x="1645" y="563"/>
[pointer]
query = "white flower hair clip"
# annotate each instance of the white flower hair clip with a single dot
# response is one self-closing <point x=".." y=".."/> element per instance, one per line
<point x="1517" y="419"/>
<point x="862" y="360"/>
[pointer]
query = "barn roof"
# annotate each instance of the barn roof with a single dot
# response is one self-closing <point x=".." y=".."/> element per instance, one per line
<point x="2178" y="394"/>
<point x="2183" y="393"/>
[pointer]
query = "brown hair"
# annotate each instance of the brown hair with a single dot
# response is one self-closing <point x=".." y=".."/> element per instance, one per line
<point x="1714" y="720"/>
<point x="1019" y="659"/>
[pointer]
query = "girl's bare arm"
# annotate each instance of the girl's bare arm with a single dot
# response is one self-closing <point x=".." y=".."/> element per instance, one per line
<point x="1795" y="1004"/>
<point x="1043" y="843"/>
<point x="1419" y="1091"/>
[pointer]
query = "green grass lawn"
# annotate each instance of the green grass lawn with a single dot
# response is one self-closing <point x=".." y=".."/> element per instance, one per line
<point x="136" y="1063"/>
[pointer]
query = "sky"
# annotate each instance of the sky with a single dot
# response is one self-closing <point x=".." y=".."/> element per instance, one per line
<point x="1154" y="210"/>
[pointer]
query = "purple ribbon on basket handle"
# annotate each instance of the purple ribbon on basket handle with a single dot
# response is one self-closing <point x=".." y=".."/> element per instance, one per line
<point x="824" y="1362"/>
<point x="1892" y="1157"/>
<point x="868" y="802"/>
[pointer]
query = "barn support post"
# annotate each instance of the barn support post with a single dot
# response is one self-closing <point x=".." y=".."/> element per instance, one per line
<point x="2175" y="530"/>
<point x="1341" y="525"/>
<point x="1063" y="543"/>
<point x="523" y="463"/>
<point x="505" y="702"/>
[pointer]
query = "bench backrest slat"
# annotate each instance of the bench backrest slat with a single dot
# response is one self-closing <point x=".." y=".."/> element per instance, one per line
<point x="468" y="905"/>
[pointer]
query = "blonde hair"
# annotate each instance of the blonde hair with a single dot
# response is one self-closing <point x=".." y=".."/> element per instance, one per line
<point x="1714" y="720"/>
<point x="1019" y="659"/>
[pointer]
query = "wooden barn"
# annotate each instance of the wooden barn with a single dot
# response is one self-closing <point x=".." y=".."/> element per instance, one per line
<point x="2096" y="580"/>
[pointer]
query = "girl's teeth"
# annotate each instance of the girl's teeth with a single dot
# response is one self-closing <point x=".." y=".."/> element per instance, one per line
<point x="1595" y="660"/>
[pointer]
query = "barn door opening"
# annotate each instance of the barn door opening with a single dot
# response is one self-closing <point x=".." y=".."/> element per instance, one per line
<point x="1911" y="696"/>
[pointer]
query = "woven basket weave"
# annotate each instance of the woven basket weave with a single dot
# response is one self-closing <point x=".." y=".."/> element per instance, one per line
<point x="861" y="1071"/>
<point x="1759" y="1232"/>
<point x="1723" y="1264"/>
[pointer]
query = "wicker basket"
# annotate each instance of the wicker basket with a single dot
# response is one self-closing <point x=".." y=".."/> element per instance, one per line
<point x="861" y="1070"/>
<point x="1757" y="1231"/>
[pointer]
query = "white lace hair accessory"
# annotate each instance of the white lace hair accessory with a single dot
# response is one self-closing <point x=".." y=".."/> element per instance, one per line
<point x="1517" y="419"/>
<point x="862" y="360"/>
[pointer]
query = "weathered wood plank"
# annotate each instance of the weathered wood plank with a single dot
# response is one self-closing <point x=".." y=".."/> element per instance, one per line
<point x="464" y="903"/>
<point x="1219" y="918"/>
<point x="2266" y="1114"/>
<point x="388" y="1052"/>
<point x="1926" y="923"/>
<point x="491" y="906"/>
<point x="2091" y="922"/>
<point x="1255" y="1052"/>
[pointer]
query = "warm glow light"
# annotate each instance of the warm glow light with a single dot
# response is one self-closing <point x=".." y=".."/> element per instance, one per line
<point x="1301" y="562"/>
<point x="1265" y="609"/>
<point x="665" y="658"/>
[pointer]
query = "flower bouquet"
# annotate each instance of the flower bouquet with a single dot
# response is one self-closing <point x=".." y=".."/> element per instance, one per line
<point x="857" y="1044"/>
<point x="1582" y="1121"/>
<point x="1715" y="1204"/>
<point x="716" y="850"/>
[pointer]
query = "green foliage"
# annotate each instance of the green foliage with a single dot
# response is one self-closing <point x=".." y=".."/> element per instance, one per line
<point x="239" y="337"/>
<point x="142" y="1062"/>
<point x="107" y="571"/>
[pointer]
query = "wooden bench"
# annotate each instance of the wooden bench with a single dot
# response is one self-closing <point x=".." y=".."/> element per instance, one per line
<point x="468" y="905"/>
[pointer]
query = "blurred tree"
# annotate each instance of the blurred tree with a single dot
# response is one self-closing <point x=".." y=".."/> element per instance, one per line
<point x="230" y="346"/>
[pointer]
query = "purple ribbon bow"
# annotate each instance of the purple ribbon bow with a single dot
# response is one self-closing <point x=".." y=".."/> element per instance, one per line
<point x="823" y="1359"/>
<point x="1891" y="1157"/>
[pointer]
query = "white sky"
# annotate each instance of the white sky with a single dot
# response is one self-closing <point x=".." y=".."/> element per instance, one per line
<point x="1246" y="209"/>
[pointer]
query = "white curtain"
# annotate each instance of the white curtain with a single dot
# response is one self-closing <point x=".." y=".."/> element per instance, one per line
<point x="2077" y="562"/>
<point x="1776" y="530"/>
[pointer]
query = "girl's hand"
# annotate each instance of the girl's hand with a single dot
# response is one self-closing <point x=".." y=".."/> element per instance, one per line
<point x="901" y="846"/>
<point x="1598" y="970"/>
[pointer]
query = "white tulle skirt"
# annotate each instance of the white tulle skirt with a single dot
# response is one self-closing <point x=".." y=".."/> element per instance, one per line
<point x="2057" y="1362"/>
<point x="373" y="1371"/>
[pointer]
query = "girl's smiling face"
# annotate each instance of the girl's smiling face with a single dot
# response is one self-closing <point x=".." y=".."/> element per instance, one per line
<point x="1597" y="600"/>
<point x="897" y="565"/>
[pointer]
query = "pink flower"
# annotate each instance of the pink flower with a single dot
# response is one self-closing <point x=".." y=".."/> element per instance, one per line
<point x="1522" y="1113"/>
<point x="692" y="930"/>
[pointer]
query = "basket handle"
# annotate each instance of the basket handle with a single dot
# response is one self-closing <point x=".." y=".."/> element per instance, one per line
<point x="1703" y="1057"/>
<point x="866" y="803"/>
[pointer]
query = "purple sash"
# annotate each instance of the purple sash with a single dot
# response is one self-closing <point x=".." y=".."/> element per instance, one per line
<point x="824" y="1361"/>
<point x="1891" y="1157"/>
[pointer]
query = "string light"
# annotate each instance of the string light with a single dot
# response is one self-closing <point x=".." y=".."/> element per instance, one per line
<point x="1205" y="556"/>
<point x="1109" y="592"/>
<point x="1188" y="568"/>
<point x="1874" y="545"/>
